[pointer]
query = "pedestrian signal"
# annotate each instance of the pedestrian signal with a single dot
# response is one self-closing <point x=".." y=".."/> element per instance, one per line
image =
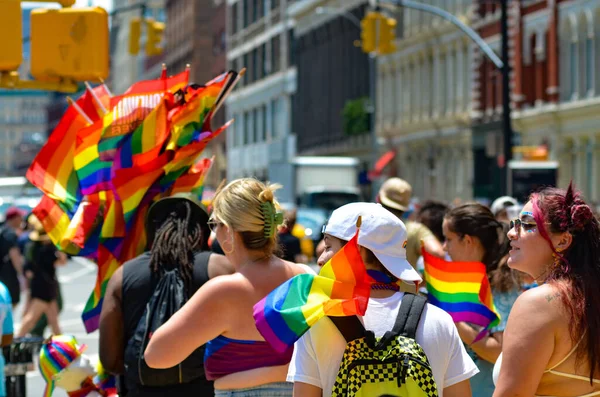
<point x="11" y="32"/>
<point x="69" y="43"/>
<point x="368" y="34"/>
<point x="135" y="31"/>
<point x="154" y="35"/>
<point x="387" y="35"/>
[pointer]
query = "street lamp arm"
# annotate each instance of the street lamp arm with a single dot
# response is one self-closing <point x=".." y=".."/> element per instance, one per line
<point x="457" y="22"/>
<point x="334" y="11"/>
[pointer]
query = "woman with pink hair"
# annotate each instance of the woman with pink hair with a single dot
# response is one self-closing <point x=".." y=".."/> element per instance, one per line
<point x="551" y="343"/>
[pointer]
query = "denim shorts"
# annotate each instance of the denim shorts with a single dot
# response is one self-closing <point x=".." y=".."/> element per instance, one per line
<point x="278" y="389"/>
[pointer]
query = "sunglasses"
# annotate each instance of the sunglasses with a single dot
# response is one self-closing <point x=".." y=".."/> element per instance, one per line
<point x="212" y="224"/>
<point x="518" y="224"/>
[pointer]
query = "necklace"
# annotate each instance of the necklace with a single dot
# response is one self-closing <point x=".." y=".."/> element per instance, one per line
<point x="382" y="281"/>
<point x="380" y="286"/>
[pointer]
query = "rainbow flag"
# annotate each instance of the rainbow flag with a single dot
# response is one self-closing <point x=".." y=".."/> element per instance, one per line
<point x="342" y="288"/>
<point x="52" y="169"/>
<point x="107" y="265"/>
<point x="108" y="160"/>
<point x="53" y="218"/>
<point x="462" y="289"/>
<point x="193" y="180"/>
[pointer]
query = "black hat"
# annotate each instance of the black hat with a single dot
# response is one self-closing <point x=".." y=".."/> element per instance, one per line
<point x="160" y="210"/>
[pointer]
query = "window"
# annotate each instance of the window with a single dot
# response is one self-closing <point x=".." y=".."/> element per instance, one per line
<point x="263" y="60"/>
<point x="274" y="126"/>
<point x="245" y="14"/>
<point x="275" y="54"/>
<point x="246" y="65"/>
<point x="256" y="127"/>
<point x="254" y="65"/>
<point x="234" y="17"/>
<point x="263" y="113"/>
<point x="291" y="48"/>
<point x="255" y="10"/>
<point x="248" y="127"/>
<point x="572" y="69"/>
<point x="274" y="4"/>
<point x="589" y="65"/>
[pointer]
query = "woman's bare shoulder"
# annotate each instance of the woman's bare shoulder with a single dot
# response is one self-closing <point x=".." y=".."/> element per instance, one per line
<point x="544" y="302"/>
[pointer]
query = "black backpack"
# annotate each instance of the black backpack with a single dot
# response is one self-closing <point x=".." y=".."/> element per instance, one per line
<point x="168" y="297"/>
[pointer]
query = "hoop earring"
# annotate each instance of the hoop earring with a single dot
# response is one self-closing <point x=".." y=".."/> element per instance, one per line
<point x="232" y="246"/>
<point x="228" y="251"/>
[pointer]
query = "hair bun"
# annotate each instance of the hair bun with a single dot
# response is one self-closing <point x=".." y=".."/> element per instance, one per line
<point x="266" y="194"/>
<point x="581" y="215"/>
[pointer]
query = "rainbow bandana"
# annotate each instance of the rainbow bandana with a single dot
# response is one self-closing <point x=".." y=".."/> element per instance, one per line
<point x="57" y="353"/>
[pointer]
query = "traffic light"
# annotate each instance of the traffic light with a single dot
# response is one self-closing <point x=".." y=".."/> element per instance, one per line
<point x="154" y="35"/>
<point x="69" y="43"/>
<point x="135" y="31"/>
<point x="11" y="32"/>
<point x="368" y="34"/>
<point x="387" y="35"/>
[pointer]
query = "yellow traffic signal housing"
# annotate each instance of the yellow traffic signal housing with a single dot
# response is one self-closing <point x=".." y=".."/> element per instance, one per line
<point x="387" y="35"/>
<point x="69" y="43"/>
<point x="135" y="32"/>
<point x="368" y="34"/>
<point x="154" y="35"/>
<point x="11" y="54"/>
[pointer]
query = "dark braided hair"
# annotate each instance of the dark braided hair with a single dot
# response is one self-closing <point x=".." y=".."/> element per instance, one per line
<point x="175" y="243"/>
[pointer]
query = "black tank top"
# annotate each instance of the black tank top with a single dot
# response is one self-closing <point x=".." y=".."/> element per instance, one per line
<point x="138" y="286"/>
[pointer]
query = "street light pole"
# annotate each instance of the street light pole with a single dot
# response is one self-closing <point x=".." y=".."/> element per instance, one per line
<point x="506" y="118"/>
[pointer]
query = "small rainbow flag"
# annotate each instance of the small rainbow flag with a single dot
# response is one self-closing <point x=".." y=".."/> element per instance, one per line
<point x="462" y="289"/>
<point x="342" y="288"/>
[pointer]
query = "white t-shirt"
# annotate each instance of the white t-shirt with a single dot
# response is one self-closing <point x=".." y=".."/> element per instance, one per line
<point x="318" y="354"/>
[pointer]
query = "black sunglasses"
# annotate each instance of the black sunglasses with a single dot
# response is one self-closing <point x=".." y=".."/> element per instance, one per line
<point x="212" y="224"/>
<point x="518" y="224"/>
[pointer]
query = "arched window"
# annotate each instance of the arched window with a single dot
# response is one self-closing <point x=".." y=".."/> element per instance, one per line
<point x="569" y="60"/>
<point x="587" y="38"/>
<point x="582" y="55"/>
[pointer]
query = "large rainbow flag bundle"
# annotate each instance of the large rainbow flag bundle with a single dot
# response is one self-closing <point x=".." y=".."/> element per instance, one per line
<point x="110" y="157"/>
<point x="342" y="288"/>
<point x="462" y="289"/>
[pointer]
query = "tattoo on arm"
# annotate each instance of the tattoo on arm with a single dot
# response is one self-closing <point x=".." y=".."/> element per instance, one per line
<point x="550" y="298"/>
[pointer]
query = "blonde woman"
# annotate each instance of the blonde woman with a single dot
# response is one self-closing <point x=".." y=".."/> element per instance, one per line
<point x="245" y="219"/>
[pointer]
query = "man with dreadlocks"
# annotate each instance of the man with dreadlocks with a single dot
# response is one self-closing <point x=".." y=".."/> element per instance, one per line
<point x="177" y="234"/>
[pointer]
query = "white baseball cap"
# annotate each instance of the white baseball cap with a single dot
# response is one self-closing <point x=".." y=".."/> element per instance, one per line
<point x="380" y="231"/>
<point x="502" y="203"/>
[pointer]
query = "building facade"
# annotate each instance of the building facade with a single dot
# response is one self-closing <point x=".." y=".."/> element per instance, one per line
<point x="557" y="87"/>
<point x="22" y="118"/>
<point x="260" y="142"/>
<point x="424" y="103"/>
<point x="195" y="36"/>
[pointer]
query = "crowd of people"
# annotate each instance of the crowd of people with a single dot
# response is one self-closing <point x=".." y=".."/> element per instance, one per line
<point x="542" y="261"/>
<point x="28" y="261"/>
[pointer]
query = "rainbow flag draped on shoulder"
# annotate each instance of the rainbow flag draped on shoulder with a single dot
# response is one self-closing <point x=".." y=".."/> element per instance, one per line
<point x="463" y="290"/>
<point x="110" y="157"/>
<point x="342" y="288"/>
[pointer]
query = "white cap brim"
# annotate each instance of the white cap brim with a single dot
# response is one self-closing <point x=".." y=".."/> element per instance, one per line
<point x="399" y="267"/>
